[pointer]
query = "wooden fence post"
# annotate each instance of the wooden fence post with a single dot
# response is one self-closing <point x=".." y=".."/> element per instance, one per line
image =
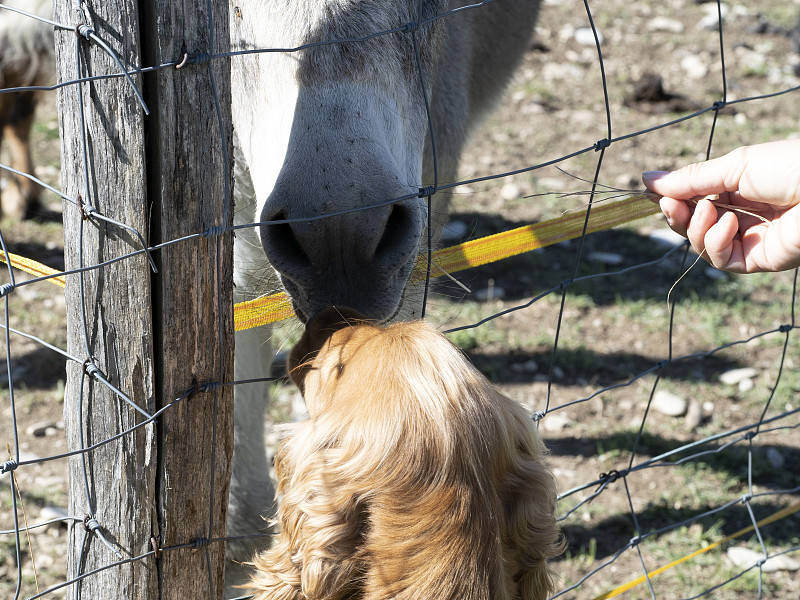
<point x="152" y="336"/>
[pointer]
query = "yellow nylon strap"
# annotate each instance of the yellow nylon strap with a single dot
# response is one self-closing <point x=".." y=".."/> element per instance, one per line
<point x="475" y="253"/>
<point x="269" y="309"/>
<point x="538" y="235"/>
<point x="31" y="266"/>
<point x="781" y="514"/>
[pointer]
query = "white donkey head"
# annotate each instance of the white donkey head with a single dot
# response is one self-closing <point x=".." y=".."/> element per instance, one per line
<point x="336" y="128"/>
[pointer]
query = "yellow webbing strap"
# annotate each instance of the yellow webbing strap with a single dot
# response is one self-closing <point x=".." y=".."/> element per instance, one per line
<point x="474" y="253"/>
<point x="31" y="266"/>
<point x="781" y="514"/>
<point x="538" y="235"/>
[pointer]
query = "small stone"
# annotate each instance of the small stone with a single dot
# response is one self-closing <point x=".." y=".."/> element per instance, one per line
<point x="42" y="429"/>
<point x="694" y="67"/>
<point x="558" y="372"/>
<point x="784" y="562"/>
<point x="665" y="24"/>
<point x="775" y="458"/>
<point x="669" y="404"/>
<point x="510" y="191"/>
<point x="734" y="376"/>
<point x="606" y="258"/>
<point x="556" y="422"/>
<point x="666" y="238"/>
<point x="585" y="36"/>
<point x="745" y="385"/>
<point x="708" y="23"/>
<point x="530" y="366"/>
<point x="744" y="558"/>
<point x="694" y="416"/>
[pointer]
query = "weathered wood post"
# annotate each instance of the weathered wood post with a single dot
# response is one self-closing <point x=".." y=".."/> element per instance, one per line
<point x="152" y="336"/>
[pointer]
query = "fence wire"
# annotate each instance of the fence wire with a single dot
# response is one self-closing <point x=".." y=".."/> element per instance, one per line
<point x="740" y="443"/>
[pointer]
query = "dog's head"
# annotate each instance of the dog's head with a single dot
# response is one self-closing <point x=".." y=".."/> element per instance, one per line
<point x="318" y="336"/>
<point x="413" y="475"/>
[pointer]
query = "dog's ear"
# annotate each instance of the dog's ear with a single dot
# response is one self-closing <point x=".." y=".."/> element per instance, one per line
<point x="318" y="330"/>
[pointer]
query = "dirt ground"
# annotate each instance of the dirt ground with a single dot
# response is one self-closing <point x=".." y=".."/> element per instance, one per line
<point x="580" y="359"/>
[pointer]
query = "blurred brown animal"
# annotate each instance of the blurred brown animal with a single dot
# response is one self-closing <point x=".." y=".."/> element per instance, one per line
<point x="413" y="478"/>
<point x="26" y="59"/>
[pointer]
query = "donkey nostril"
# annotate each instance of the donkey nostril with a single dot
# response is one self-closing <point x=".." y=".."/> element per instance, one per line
<point x="396" y="236"/>
<point x="281" y="243"/>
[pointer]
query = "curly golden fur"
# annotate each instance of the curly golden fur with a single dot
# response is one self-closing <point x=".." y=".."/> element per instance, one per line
<point x="413" y="478"/>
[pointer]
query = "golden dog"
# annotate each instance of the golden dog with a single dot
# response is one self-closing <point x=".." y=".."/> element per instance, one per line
<point x="413" y="478"/>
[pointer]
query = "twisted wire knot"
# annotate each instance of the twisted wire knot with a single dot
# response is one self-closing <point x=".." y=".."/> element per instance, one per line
<point x="213" y="231"/>
<point x="199" y="59"/>
<point x="537" y="415"/>
<point x="91" y="369"/>
<point x="410" y="27"/>
<point x="613" y="475"/>
<point x="8" y="466"/>
<point x="602" y="144"/>
<point x="783" y="328"/>
<point x="87" y="210"/>
<point x="719" y="105"/>
<point x="426" y="191"/>
<point x="83" y="30"/>
<point x="90" y="523"/>
<point x="200" y="542"/>
<point x="6" y="289"/>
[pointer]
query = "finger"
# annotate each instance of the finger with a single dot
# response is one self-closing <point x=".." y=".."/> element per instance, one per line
<point x="776" y="247"/>
<point x="677" y="214"/>
<point x="722" y="248"/>
<point x="699" y="179"/>
<point x="704" y="217"/>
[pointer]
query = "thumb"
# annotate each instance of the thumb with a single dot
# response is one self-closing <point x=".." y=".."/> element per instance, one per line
<point x="698" y="179"/>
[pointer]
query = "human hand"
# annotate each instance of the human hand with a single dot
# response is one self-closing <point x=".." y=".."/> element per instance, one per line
<point x="755" y="225"/>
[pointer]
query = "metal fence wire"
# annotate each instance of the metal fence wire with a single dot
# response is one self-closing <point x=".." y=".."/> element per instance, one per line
<point x="628" y="495"/>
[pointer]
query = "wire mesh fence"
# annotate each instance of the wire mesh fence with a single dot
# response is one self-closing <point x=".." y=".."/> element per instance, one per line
<point x="651" y="503"/>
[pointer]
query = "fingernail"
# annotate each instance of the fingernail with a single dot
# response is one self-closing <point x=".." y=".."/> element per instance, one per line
<point x="667" y="216"/>
<point x="651" y="176"/>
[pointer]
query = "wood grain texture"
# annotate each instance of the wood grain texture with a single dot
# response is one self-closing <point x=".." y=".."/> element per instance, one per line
<point x="153" y="336"/>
